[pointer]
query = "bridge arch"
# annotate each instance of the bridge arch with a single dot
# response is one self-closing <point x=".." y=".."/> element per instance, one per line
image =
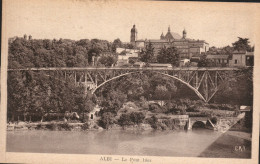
<point x="174" y="77"/>
<point x="200" y="124"/>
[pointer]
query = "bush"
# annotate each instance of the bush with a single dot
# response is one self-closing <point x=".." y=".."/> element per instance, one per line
<point x="65" y="126"/>
<point x="84" y="117"/>
<point x="125" y="120"/>
<point x="106" y="120"/>
<point x="51" y="126"/>
<point x="212" y="106"/>
<point x="39" y="126"/>
<point x="214" y="120"/>
<point x="170" y="123"/>
<point x="153" y="122"/>
<point x="85" y="126"/>
<point x="154" y="107"/>
<point x="73" y="121"/>
<point x="137" y="117"/>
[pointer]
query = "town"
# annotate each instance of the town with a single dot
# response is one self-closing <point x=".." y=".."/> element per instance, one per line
<point x="129" y="82"/>
<point x="141" y="98"/>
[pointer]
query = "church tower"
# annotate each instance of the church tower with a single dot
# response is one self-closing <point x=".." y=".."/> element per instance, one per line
<point x="184" y="34"/>
<point x="162" y="36"/>
<point x="133" y="36"/>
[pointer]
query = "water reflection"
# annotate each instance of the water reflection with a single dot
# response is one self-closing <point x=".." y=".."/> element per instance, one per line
<point x="116" y="142"/>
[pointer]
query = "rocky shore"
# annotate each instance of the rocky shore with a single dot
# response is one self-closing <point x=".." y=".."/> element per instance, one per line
<point x="70" y="126"/>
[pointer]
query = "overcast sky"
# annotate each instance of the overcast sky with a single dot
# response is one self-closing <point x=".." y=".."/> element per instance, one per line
<point x="77" y="19"/>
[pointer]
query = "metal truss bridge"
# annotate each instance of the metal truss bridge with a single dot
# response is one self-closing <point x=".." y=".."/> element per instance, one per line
<point x="205" y="82"/>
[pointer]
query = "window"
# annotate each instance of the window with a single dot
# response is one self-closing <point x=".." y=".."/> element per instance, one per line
<point x="235" y="61"/>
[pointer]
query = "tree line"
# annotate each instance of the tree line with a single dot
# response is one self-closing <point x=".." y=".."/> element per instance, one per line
<point x="23" y="53"/>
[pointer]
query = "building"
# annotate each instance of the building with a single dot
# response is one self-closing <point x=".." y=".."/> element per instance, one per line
<point x="184" y="62"/>
<point x="241" y="59"/>
<point x="187" y="47"/>
<point x="94" y="113"/>
<point x="125" y="55"/>
<point x="219" y="60"/>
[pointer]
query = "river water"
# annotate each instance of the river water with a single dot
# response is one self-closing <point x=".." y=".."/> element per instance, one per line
<point x="201" y="142"/>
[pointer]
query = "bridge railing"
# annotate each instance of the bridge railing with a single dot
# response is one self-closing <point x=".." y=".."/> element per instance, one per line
<point x="128" y="68"/>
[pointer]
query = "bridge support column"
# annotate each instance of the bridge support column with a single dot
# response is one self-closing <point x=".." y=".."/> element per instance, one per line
<point x="189" y="127"/>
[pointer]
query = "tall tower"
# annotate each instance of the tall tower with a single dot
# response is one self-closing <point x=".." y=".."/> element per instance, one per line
<point x="133" y="36"/>
<point x="184" y="34"/>
<point x="162" y="36"/>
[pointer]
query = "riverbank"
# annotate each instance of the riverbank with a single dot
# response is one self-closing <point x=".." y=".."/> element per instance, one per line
<point x="70" y="126"/>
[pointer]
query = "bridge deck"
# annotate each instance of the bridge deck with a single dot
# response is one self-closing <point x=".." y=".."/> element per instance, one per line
<point x="130" y="68"/>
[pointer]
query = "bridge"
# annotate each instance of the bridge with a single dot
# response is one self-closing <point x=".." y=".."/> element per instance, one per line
<point x="193" y="120"/>
<point x="205" y="82"/>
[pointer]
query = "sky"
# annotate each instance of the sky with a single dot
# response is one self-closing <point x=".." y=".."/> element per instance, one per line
<point x="219" y="24"/>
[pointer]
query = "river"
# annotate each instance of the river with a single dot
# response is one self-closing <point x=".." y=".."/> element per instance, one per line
<point x="200" y="142"/>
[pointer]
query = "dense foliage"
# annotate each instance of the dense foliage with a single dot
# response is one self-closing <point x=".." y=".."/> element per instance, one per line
<point x="169" y="55"/>
<point x="52" y="53"/>
<point x="38" y="93"/>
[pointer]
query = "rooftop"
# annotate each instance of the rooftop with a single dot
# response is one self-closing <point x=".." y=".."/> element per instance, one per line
<point x="175" y="35"/>
<point x="217" y="56"/>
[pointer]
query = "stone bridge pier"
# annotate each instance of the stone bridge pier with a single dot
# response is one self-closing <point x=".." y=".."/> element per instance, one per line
<point x="195" y="120"/>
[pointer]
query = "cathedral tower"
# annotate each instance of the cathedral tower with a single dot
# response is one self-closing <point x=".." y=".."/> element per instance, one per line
<point x="133" y="36"/>
<point x="184" y="34"/>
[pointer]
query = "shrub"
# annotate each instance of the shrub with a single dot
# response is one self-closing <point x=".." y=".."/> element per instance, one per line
<point x="170" y="123"/>
<point x="85" y="126"/>
<point x="73" y="121"/>
<point x="51" y="126"/>
<point x="106" y="120"/>
<point x="84" y="117"/>
<point x="212" y="106"/>
<point x="154" y="107"/>
<point x="65" y="126"/>
<point x="153" y="122"/>
<point x="39" y="126"/>
<point x="125" y="120"/>
<point x="137" y="117"/>
<point x="214" y="120"/>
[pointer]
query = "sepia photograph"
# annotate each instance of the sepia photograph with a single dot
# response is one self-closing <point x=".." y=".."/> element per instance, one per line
<point x="127" y="81"/>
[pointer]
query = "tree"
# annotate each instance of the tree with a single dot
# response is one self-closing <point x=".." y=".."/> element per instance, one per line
<point x="242" y="44"/>
<point x="107" y="61"/>
<point x="237" y="89"/>
<point x="147" y="55"/>
<point x="116" y="44"/>
<point x="204" y="62"/>
<point x="106" y="120"/>
<point x="112" y="101"/>
<point x="125" y="120"/>
<point x="161" y="93"/>
<point x="128" y="46"/>
<point x="137" y="117"/>
<point x="169" y="55"/>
